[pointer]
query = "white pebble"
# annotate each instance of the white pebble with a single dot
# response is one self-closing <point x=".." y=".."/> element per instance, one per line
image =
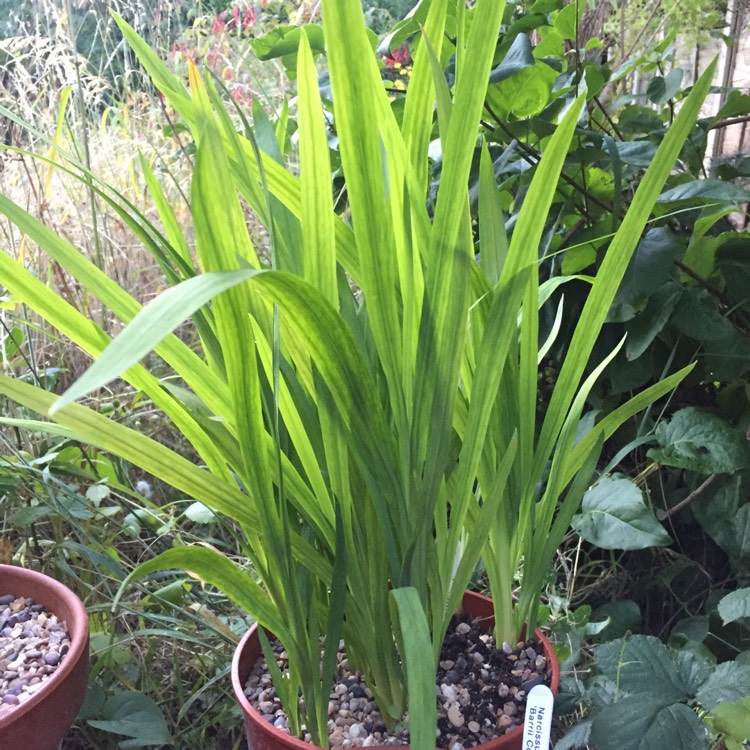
<point x="455" y="717"/>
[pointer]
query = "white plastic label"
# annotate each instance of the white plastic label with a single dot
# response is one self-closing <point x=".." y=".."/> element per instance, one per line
<point x="538" y="721"/>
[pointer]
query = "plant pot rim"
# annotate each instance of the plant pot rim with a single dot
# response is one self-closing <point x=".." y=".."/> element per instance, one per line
<point x="275" y="735"/>
<point x="13" y="580"/>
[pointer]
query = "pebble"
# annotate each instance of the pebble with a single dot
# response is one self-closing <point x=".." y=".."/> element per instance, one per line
<point x="33" y="643"/>
<point x="455" y="717"/>
<point x="498" y="680"/>
<point x="449" y="692"/>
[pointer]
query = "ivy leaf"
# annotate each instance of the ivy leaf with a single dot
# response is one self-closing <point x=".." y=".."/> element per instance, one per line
<point x="726" y="682"/>
<point x="615" y="517"/>
<point x="735" y="606"/>
<point x="702" y="442"/>
<point x="648" y="721"/>
<point x="136" y="716"/>
<point x="96" y="493"/>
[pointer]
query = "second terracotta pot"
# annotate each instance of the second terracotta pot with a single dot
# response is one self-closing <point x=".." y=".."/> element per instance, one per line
<point x="43" y="720"/>
<point x="261" y="735"/>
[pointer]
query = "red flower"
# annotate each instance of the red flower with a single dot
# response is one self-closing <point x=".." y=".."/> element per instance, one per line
<point x="399" y="57"/>
<point x="220" y="23"/>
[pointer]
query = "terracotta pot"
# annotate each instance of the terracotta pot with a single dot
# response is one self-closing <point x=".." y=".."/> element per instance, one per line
<point x="264" y="736"/>
<point x="42" y="721"/>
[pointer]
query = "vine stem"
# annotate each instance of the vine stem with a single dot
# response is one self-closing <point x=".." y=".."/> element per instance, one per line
<point x="692" y="496"/>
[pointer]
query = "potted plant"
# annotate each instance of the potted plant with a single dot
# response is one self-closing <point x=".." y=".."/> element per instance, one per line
<point x="364" y="409"/>
<point x="42" y="721"/>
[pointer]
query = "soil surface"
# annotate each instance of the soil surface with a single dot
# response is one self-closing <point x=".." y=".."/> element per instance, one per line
<point x="481" y="692"/>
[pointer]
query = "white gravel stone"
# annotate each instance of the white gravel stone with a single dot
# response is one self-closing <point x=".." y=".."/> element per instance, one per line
<point x="455" y="717"/>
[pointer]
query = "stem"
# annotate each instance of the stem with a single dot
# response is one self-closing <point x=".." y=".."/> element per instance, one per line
<point x="692" y="496"/>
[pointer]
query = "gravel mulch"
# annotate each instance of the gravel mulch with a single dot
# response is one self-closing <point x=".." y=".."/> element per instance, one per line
<point x="33" y="643"/>
<point x="481" y="692"/>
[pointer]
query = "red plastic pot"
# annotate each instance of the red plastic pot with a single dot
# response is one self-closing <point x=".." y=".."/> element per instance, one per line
<point x="264" y="736"/>
<point x="42" y="721"/>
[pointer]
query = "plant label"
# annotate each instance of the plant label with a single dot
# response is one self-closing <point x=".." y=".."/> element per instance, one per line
<point x="536" y="726"/>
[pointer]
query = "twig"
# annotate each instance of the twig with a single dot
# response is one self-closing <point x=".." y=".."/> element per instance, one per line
<point x="532" y="156"/>
<point x="609" y="119"/>
<point x="692" y="496"/>
<point x="730" y="121"/>
<point x="728" y="303"/>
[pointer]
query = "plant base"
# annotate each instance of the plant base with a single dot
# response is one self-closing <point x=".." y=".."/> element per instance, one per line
<point x="264" y="736"/>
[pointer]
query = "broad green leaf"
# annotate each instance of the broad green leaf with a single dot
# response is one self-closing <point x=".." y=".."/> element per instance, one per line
<point x="651" y="266"/>
<point x="576" y="737"/>
<point x="636" y="153"/>
<point x="725" y="516"/>
<point x="96" y="493"/>
<point x="614" y="516"/>
<point x="648" y="721"/>
<point x="732" y="720"/>
<point x="523" y="94"/>
<point x="285" y="40"/>
<point x="705" y="190"/>
<point x="735" y="606"/>
<point x="662" y="88"/>
<point x="567" y="20"/>
<point x="516" y="58"/>
<point x="200" y="513"/>
<point x="736" y="104"/>
<point x="624" y="617"/>
<point x="726" y="682"/>
<point x="644" y="328"/>
<point x="133" y="715"/>
<point x="641" y="663"/>
<point x="697" y="315"/>
<point x="701" y="442"/>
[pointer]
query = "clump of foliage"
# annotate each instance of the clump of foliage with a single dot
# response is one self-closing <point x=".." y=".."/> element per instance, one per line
<point x="672" y="476"/>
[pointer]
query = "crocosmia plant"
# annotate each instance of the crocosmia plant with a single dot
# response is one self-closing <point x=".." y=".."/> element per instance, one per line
<point x="364" y="408"/>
